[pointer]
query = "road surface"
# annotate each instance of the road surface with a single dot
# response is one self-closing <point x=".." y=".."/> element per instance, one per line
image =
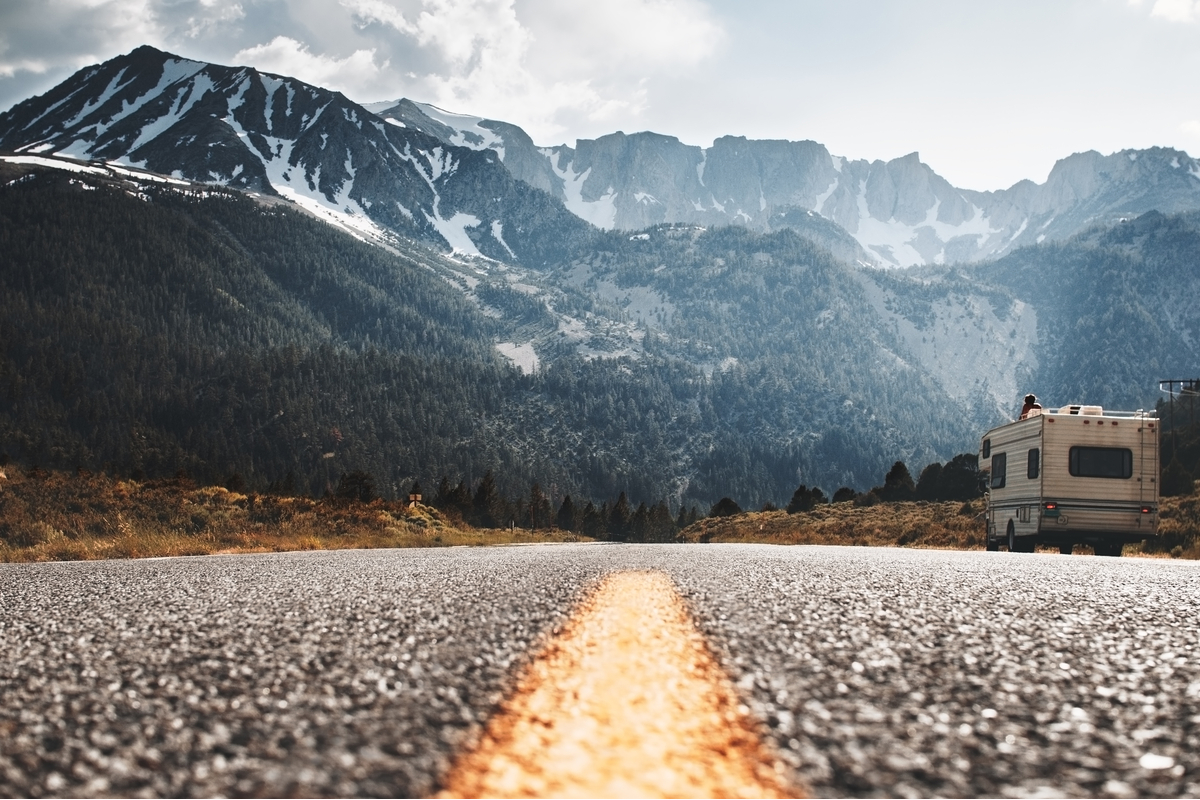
<point x="873" y="672"/>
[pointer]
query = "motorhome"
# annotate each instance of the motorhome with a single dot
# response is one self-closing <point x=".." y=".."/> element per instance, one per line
<point x="1074" y="475"/>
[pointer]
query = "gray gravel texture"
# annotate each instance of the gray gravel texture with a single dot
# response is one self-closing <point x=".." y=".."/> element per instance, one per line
<point x="876" y="672"/>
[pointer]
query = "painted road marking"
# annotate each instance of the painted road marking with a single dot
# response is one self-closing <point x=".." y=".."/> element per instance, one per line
<point x="626" y="702"/>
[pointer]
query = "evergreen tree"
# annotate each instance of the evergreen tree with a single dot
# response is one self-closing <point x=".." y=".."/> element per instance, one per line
<point x="661" y="527"/>
<point x="960" y="478"/>
<point x="565" y="519"/>
<point x="485" y="504"/>
<point x="844" y="494"/>
<point x="539" y="508"/>
<point x="460" y="499"/>
<point x="356" y="485"/>
<point x="639" y="526"/>
<point x="802" y="500"/>
<point x="442" y="497"/>
<point x="618" y="520"/>
<point x="725" y="507"/>
<point x="897" y="485"/>
<point x="594" y="521"/>
<point x="929" y="485"/>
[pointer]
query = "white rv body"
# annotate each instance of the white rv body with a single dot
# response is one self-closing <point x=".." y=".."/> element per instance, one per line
<point x="1074" y="475"/>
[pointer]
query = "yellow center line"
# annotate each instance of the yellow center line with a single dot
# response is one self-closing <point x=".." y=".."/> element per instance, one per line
<point x="627" y="701"/>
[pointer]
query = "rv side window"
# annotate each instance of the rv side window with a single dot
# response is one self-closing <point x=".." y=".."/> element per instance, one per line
<point x="987" y="448"/>
<point x="1034" y="463"/>
<point x="1101" y="462"/>
<point x="998" y="464"/>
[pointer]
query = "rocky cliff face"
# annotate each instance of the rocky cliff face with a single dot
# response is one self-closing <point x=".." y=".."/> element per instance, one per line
<point x="238" y="127"/>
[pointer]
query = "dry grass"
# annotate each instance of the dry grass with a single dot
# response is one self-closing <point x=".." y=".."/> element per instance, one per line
<point x="949" y="526"/>
<point x="64" y="517"/>
<point x="56" y="516"/>
<point x="1179" y="528"/>
<point x="942" y="525"/>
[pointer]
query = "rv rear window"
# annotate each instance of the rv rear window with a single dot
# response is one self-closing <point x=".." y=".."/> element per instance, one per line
<point x="999" y="462"/>
<point x="1101" y="462"/>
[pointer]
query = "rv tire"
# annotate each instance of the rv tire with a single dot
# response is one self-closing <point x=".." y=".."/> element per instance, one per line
<point x="1012" y="537"/>
<point x="1066" y="549"/>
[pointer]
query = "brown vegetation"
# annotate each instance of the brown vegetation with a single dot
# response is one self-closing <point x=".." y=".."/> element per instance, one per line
<point x="948" y="525"/>
<point x="951" y="525"/>
<point x="55" y="516"/>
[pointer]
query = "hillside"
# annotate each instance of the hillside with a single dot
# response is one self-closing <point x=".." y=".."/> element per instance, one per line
<point x="152" y="327"/>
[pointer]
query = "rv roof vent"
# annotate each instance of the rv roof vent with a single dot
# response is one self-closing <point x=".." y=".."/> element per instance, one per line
<point x="1092" y="411"/>
<point x="1069" y="409"/>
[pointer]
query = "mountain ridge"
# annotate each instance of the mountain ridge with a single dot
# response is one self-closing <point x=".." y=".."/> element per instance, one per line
<point x="237" y="127"/>
<point x="893" y="213"/>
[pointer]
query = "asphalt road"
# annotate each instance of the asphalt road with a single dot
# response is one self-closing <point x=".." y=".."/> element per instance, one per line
<point x="877" y="672"/>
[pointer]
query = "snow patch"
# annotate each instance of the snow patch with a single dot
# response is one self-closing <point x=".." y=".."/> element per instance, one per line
<point x="602" y="212"/>
<point x="523" y="356"/>
<point x="822" y="198"/>
<point x="38" y="161"/>
<point x="454" y="231"/>
<point x="897" y="242"/>
<point x="467" y="129"/>
<point x="498" y="235"/>
<point x="188" y="97"/>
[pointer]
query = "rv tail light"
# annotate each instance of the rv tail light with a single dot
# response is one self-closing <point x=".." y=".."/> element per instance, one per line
<point x="1051" y="506"/>
<point x="1145" y="509"/>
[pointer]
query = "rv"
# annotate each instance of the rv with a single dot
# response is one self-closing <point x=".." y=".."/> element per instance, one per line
<point x="1075" y="475"/>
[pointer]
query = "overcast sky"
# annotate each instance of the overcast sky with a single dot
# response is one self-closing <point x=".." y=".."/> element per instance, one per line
<point x="988" y="93"/>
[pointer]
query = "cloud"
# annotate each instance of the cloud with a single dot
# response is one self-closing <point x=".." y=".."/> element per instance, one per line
<point x="1174" y="10"/>
<point x="547" y="63"/>
<point x="551" y="66"/>
<point x="68" y="34"/>
<point x="352" y="75"/>
<point x="213" y="14"/>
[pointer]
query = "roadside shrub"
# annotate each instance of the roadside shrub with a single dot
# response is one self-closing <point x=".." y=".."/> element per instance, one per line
<point x="32" y="534"/>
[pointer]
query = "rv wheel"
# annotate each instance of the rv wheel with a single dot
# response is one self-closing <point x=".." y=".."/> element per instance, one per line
<point x="1012" y="537"/>
<point x="1112" y="549"/>
<point x="1066" y="549"/>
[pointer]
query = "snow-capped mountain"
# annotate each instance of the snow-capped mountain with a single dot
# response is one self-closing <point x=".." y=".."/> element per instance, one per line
<point x="238" y="127"/>
<point x="899" y="212"/>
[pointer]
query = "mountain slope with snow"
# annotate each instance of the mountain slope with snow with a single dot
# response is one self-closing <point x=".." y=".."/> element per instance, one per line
<point x="893" y="213"/>
<point x="237" y="127"/>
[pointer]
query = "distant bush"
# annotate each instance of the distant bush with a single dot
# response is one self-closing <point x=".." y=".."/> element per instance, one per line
<point x="844" y="494"/>
<point x="725" y="507"/>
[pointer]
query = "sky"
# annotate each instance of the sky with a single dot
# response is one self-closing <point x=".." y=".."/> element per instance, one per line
<point x="987" y="93"/>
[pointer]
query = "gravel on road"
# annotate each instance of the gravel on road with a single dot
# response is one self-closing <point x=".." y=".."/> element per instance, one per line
<point x="875" y="672"/>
